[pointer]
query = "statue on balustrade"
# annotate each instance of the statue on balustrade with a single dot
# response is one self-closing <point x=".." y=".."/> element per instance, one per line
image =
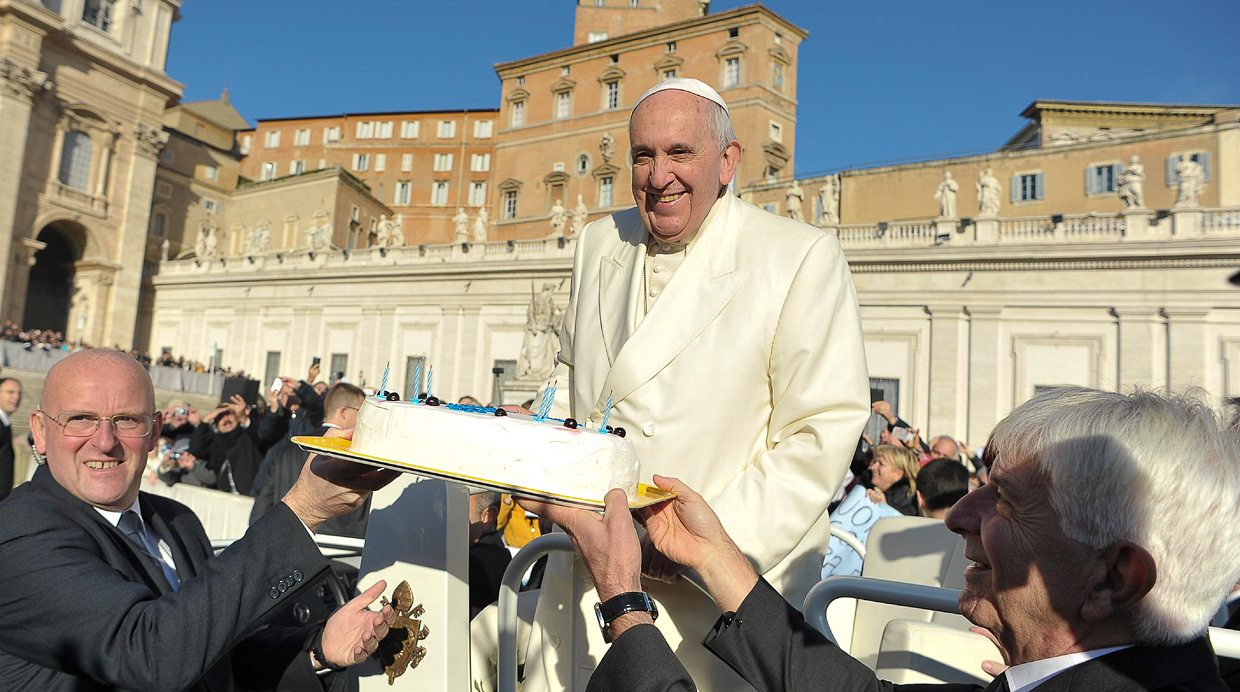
<point x="579" y="215"/>
<point x="247" y="241"/>
<point x="988" y="191"/>
<point x="262" y="238"/>
<point x="480" y="225"/>
<point x="318" y="237"/>
<point x="829" y="200"/>
<point x="163" y="250"/>
<point x="542" y="336"/>
<point x="794" y="200"/>
<point x="396" y="237"/>
<point x="383" y="231"/>
<point x="946" y="196"/>
<point x="461" y="221"/>
<point x="1132" y="183"/>
<point x="1192" y="178"/>
<point x="559" y="218"/>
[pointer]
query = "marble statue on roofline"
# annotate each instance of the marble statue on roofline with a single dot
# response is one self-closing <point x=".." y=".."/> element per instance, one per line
<point x="480" y="225"/>
<point x="1192" y="178"/>
<point x="946" y="195"/>
<point x="988" y="191"/>
<point x="579" y="215"/>
<point x="1132" y="183"/>
<point x="460" y="221"/>
<point x="794" y="201"/>
<point x="829" y="200"/>
<point x="559" y="218"/>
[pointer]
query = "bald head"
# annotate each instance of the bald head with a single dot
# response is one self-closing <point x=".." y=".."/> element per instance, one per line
<point x="93" y="367"/>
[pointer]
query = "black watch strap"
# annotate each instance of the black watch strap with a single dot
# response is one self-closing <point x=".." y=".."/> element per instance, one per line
<point x="316" y="647"/>
<point x="614" y="607"/>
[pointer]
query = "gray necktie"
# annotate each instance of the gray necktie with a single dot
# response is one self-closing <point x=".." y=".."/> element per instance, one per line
<point x="131" y="525"/>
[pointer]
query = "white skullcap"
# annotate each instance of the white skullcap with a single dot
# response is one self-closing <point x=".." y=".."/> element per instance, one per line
<point x="693" y="86"/>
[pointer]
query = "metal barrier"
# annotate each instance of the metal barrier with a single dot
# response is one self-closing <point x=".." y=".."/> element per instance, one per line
<point x="506" y="672"/>
<point x="1226" y="643"/>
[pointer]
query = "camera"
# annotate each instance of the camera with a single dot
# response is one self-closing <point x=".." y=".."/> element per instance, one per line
<point x="182" y="411"/>
<point x="174" y="456"/>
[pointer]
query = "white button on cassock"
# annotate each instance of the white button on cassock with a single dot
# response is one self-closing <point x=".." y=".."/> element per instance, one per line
<point x="649" y="429"/>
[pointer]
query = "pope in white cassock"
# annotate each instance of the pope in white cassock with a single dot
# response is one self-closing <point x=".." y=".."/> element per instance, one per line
<point x="730" y="342"/>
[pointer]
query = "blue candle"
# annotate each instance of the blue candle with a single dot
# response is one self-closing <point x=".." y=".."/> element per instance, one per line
<point x="383" y="384"/>
<point x="417" y="380"/>
<point x="606" y="414"/>
<point x="430" y="376"/>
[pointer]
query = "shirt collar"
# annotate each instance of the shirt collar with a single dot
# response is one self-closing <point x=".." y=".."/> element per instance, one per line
<point x="1027" y="676"/>
<point x="5" y="418"/>
<point x="114" y="518"/>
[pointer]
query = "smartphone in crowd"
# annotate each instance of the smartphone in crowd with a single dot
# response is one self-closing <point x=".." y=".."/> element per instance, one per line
<point x="902" y="434"/>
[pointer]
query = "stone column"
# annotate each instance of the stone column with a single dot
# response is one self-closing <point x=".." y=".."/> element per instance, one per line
<point x="983" y="369"/>
<point x="19" y="85"/>
<point x="949" y="367"/>
<point x="1186" y="347"/>
<point x="139" y="190"/>
<point x="1141" y="334"/>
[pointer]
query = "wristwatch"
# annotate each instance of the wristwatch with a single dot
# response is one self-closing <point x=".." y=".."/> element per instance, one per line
<point x="616" y="606"/>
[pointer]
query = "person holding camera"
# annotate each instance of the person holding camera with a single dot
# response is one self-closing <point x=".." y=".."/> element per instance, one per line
<point x="228" y="443"/>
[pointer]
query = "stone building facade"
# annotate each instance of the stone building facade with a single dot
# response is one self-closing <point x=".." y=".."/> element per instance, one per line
<point x="82" y="99"/>
<point x="424" y="165"/>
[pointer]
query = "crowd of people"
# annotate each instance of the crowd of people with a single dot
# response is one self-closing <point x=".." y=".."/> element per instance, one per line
<point x="49" y="340"/>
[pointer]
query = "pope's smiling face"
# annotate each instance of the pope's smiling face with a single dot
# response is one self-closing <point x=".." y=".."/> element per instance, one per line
<point x="679" y="169"/>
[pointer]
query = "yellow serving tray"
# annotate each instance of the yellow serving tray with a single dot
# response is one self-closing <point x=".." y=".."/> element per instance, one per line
<point x="338" y="447"/>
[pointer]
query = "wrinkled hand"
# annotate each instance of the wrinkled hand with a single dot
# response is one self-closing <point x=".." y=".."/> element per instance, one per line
<point x="607" y="542"/>
<point x="687" y="531"/>
<point x="656" y="565"/>
<point x="353" y="632"/>
<point x="883" y="409"/>
<point x="877" y="496"/>
<point x="329" y="487"/>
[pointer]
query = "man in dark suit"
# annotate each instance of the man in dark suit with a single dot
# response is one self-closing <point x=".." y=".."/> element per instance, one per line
<point x="341" y="403"/>
<point x="107" y="588"/>
<point x="10" y="399"/>
<point x="1086" y="547"/>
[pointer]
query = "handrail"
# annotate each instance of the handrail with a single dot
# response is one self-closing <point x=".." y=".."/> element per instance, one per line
<point x="870" y="589"/>
<point x="1226" y="642"/>
<point x="850" y="539"/>
<point x="507" y="614"/>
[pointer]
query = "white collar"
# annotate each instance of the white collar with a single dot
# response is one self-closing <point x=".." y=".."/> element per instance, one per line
<point x="114" y="518"/>
<point x="330" y="425"/>
<point x="5" y="417"/>
<point x="1027" y="676"/>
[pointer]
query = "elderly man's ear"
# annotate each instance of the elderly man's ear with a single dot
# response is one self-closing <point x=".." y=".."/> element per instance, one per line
<point x="1130" y="574"/>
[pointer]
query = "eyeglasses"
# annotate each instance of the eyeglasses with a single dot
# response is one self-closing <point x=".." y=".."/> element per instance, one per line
<point x="76" y="424"/>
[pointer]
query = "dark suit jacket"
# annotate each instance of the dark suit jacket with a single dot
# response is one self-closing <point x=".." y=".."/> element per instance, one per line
<point x="82" y="608"/>
<point x="6" y="460"/>
<point x="770" y="645"/>
<point x="286" y="465"/>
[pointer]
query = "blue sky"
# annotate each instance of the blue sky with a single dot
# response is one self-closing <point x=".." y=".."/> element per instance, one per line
<point x="880" y="80"/>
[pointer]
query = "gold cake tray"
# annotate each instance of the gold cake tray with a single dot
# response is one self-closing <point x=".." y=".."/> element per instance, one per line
<point x="339" y="448"/>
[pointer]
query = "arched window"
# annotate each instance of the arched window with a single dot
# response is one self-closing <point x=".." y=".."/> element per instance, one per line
<point x="75" y="160"/>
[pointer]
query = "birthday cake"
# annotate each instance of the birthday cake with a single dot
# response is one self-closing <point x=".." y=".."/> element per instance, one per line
<point x="507" y="449"/>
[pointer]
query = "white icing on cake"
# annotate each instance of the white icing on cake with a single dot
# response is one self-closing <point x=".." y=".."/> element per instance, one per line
<point x="513" y="450"/>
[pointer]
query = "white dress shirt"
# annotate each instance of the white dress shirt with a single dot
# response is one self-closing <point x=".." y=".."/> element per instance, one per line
<point x="1028" y="676"/>
<point x="155" y="546"/>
